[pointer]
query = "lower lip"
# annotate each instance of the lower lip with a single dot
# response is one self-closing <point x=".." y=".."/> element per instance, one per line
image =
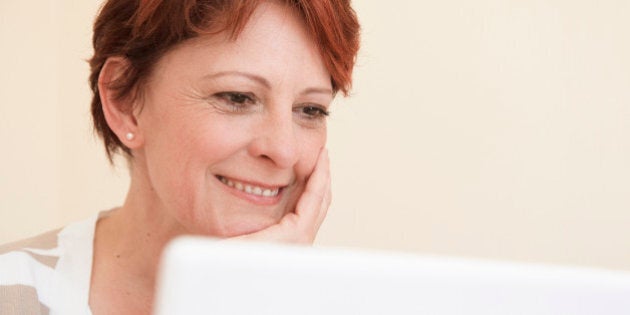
<point x="255" y="199"/>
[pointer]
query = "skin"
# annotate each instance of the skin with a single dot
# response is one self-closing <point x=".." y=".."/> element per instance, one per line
<point x="191" y="129"/>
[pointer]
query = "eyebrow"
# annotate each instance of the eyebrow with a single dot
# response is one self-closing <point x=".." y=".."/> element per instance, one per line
<point x="326" y="91"/>
<point x="264" y="82"/>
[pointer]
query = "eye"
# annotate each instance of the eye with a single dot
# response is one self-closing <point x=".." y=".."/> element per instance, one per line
<point x="312" y="111"/>
<point x="237" y="100"/>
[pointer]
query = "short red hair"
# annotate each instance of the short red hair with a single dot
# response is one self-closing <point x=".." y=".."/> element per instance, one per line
<point x="142" y="31"/>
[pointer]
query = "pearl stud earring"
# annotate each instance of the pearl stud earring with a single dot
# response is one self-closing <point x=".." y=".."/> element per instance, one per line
<point x="129" y="136"/>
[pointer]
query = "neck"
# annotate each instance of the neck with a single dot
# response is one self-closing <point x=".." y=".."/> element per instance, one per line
<point x="127" y="248"/>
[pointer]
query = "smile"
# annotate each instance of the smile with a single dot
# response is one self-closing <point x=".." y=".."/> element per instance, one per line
<point x="249" y="188"/>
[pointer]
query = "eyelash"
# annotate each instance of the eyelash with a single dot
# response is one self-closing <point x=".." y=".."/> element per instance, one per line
<point x="237" y="106"/>
<point x="316" y="112"/>
<point x="239" y="102"/>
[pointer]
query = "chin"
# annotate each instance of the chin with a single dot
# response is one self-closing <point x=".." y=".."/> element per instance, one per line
<point x="246" y="226"/>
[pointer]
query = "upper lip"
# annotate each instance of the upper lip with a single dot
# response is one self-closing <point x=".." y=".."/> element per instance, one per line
<point x="253" y="183"/>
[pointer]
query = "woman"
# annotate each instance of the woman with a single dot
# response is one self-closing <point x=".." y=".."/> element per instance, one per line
<point x="220" y="108"/>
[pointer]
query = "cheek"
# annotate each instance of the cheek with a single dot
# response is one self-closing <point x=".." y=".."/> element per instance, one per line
<point x="181" y="148"/>
<point x="220" y="138"/>
<point x="311" y="145"/>
<point x="207" y="139"/>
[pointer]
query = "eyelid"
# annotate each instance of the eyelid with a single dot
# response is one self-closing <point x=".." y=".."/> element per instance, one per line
<point x="321" y="111"/>
<point x="252" y="97"/>
<point x="323" y="108"/>
<point x="225" y="101"/>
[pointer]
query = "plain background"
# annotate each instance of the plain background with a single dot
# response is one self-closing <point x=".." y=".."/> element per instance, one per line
<point x="492" y="128"/>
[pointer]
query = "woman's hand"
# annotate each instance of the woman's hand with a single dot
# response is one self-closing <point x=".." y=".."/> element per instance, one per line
<point x="301" y="225"/>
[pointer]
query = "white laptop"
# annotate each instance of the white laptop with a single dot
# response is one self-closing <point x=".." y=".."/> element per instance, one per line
<point x="205" y="276"/>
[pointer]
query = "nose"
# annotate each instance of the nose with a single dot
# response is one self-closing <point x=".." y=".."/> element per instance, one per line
<point x="275" y="140"/>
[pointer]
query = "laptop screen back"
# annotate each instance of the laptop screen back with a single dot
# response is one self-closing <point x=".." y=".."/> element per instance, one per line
<point x="204" y="276"/>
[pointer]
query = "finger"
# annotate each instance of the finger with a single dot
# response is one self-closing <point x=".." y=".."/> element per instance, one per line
<point x="325" y="204"/>
<point x="313" y="199"/>
<point x="301" y="225"/>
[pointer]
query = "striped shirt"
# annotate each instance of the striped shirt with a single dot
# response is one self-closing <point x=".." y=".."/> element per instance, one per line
<point x="49" y="273"/>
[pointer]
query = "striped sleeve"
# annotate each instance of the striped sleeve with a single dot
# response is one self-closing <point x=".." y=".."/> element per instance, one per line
<point x="26" y="272"/>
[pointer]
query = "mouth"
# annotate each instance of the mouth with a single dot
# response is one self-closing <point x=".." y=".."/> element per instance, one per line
<point x="252" y="191"/>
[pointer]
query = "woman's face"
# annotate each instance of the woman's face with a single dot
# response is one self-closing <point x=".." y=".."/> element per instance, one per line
<point x="232" y="128"/>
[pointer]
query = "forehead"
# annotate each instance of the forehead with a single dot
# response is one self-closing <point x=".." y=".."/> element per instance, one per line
<point x="274" y="44"/>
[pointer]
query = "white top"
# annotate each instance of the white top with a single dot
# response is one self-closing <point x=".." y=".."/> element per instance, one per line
<point x="49" y="273"/>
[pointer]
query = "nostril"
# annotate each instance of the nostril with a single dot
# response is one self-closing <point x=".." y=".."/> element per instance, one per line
<point x="275" y="148"/>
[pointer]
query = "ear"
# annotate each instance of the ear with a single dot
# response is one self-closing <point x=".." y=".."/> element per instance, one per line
<point x="120" y="113"/>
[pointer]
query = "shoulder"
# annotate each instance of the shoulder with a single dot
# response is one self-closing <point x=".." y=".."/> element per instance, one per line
<point x="20" y="299"/>
<point x="46" y="240"/>
<point x="35" y="252"/>
<point x="49" y="272"/>
<point x="26" y="267"/>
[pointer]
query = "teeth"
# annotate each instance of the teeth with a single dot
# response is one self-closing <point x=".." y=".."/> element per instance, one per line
<point x="254" y="190"/>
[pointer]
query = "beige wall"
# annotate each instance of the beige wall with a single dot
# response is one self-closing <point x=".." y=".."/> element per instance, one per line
<point x="487" y="128"/>
<point x="52" y="169"/>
